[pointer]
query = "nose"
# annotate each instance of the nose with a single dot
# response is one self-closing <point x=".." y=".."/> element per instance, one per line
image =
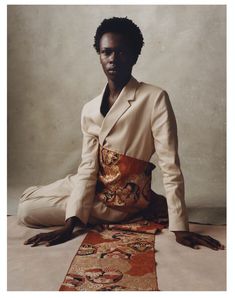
<point x="113" y="57"/>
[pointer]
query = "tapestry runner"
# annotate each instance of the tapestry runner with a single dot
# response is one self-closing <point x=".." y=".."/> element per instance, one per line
<point x="120" y="258"/>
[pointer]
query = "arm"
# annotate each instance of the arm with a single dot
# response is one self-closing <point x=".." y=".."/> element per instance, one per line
<point x="81" y="199"/>
<point x="164" y="131"/>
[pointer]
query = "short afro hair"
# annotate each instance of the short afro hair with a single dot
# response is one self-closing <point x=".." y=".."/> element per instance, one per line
<point x="123" y="26"/>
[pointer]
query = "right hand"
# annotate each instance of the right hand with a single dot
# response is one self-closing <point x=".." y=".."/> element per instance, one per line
<point x="55" y="237"/>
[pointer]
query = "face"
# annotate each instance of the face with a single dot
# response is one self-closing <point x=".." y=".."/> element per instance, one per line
<point x="116" y="57"/>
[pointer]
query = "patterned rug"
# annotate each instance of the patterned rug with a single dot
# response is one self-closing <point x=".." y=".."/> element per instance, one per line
<point x="120" y="258"/>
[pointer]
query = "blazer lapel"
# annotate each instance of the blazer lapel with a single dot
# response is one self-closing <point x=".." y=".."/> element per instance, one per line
<point x="121" y="105"/>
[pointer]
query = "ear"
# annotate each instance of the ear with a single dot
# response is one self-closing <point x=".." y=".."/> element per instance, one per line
<point x="134" y="58"/>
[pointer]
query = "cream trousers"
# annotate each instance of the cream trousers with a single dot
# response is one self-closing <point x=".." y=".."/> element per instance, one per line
<point x="45" y="206"/>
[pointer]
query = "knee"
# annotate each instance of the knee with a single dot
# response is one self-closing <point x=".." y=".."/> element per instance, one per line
<point x="24" y="214"/>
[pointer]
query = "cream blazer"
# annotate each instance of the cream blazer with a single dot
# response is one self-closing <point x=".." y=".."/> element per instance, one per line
<point x="140" y="122"/>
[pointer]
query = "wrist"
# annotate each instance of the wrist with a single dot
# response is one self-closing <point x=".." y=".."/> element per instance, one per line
<point x="71" y="222"/>
<point x="179" y="232"/>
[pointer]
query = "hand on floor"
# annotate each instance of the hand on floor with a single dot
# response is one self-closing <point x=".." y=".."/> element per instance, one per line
<point x="58" y="236"/>
<point x="50" y="238"/>
<point x="193" y="240"/>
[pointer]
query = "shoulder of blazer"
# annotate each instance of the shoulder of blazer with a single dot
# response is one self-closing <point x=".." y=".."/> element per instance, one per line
<point x="150" y="94"/>
<point x="149" y="89"/>
<point x="92" y="106"/>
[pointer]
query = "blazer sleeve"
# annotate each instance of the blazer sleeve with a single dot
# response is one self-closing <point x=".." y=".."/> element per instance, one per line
<point x="81" y="199"/>
<point x="164" y="132"/>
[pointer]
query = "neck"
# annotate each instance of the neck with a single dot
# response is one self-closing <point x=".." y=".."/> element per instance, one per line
<point x="115" y="87"/>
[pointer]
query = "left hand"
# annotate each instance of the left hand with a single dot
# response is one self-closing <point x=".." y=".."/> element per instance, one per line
<point x="50" y="238"/>
<point x="193" y="240"/>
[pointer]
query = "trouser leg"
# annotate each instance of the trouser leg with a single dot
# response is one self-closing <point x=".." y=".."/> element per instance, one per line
<point x="45" y="212"/>
<point x="44" y="206"/>
<point x="42" y="211"/>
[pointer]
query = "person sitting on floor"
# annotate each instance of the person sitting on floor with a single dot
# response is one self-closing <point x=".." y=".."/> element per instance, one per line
<point x="122" y="128"/>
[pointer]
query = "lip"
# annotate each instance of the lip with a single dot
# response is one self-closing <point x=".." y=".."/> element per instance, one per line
<point x="113" y="68"/>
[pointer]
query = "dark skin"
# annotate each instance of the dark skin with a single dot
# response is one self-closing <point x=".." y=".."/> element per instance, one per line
<point x="117" y="61"/>
<point x="55" y="237"/>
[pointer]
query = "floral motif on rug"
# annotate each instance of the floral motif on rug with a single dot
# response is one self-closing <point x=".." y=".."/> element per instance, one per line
<point x="120" y="258"/>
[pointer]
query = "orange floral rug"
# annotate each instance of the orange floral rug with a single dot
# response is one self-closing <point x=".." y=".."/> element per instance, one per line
<point x="120" y="258"/>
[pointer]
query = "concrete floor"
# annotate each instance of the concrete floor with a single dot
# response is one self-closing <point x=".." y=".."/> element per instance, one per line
<point x="184" y="269"/>
<point x="179" y="268"/>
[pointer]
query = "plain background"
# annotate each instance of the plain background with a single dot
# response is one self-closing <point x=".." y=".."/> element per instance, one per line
<point x="53" y="70"/>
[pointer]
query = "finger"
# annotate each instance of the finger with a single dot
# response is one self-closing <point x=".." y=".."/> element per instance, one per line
<point x="210" y="239"/>
<point x="207" y="242"/>
<point x="215" y="245"/>
<point x="45" y="239"/>
<point x="188" y="242"/>
<point x="42" y="237"/>
<point x="58" y="239"/>
<point x="37" y="242"/>
<point x="31" y="240"/>
<point x="194" y="244"/>
<point x="215" y="242"/>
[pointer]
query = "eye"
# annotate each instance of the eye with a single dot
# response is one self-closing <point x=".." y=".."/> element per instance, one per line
<point x="106" y="52"/>
<point x="121" y="52"/>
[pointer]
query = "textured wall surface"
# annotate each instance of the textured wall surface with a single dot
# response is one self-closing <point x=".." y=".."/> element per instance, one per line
<point x="53" y="70"/>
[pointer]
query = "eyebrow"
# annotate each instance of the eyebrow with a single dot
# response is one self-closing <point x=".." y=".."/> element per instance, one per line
<point x="108" y="48"/>
<point x="114" y="48"/>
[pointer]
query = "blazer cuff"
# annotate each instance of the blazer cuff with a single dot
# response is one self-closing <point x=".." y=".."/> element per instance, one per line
<point x="179" y="223"/>
<point x="81" y="200"/>
<point x="80" y="210"/>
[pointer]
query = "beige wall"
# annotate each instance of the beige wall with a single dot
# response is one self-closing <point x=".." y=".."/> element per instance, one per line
<point x="53" y="70"/>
